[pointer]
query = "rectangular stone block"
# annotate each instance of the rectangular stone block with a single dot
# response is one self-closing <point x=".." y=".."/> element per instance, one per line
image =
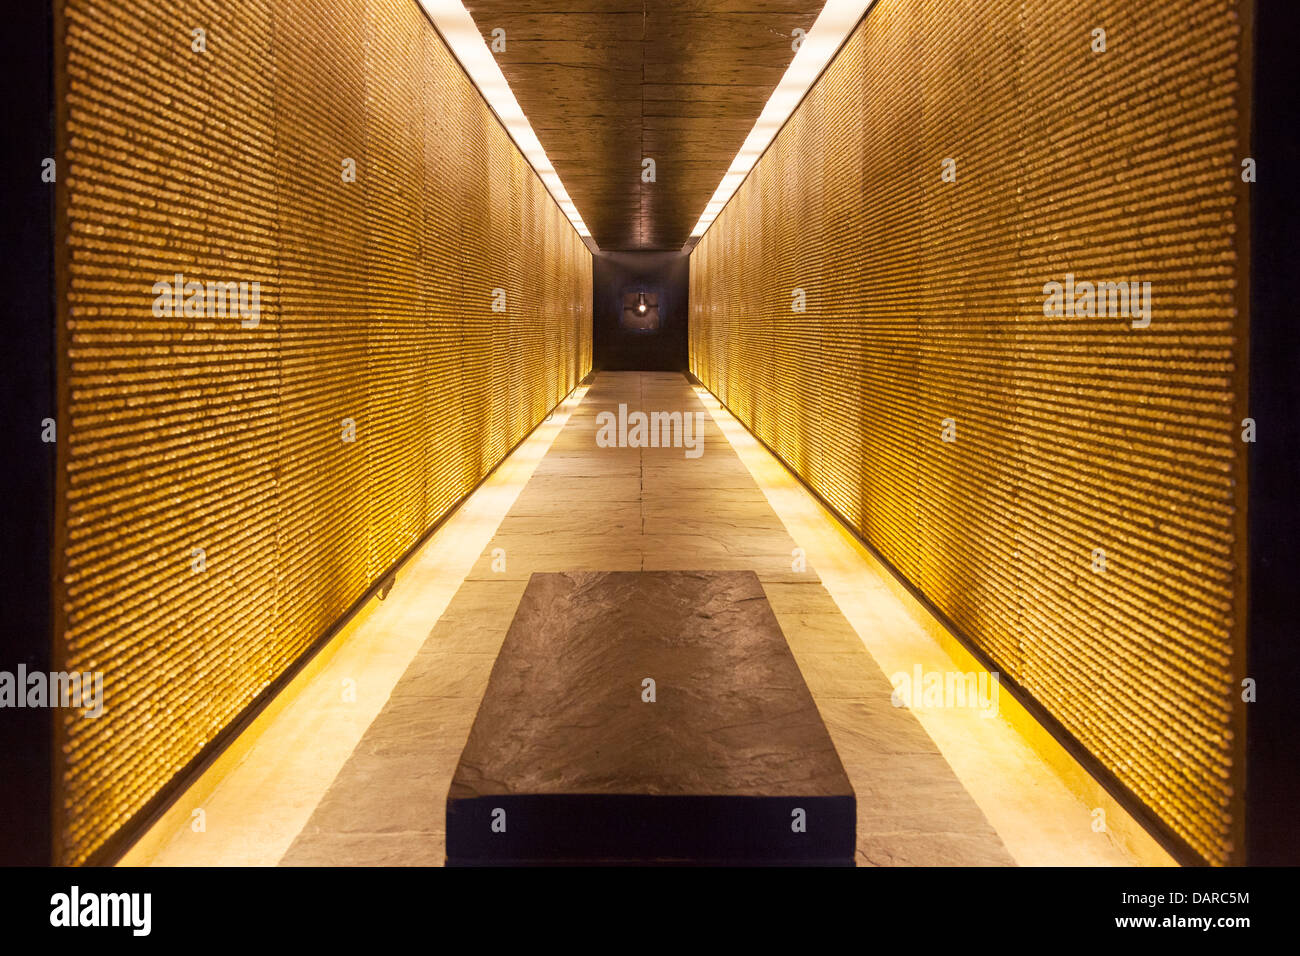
<point x="652" y="718"/>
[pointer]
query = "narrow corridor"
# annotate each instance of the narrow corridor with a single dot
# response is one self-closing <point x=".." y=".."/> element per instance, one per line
<point x="586" y="507"/>
<point x="409" y="391"/>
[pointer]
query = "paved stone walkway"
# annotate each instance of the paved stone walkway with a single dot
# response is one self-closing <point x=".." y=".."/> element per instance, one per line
<point x="625" y="509"/>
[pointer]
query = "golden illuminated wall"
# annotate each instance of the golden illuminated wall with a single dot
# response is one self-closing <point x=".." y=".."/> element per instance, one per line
<point x="924" y="302"/>
<point x="216" y="523"/>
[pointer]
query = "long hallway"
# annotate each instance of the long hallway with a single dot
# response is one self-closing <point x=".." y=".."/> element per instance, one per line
<point x="808" y="433"/>
<point x="584" y="507"/>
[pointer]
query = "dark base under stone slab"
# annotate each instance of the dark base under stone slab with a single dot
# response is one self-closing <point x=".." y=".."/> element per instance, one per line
<point x="568" y="763"/>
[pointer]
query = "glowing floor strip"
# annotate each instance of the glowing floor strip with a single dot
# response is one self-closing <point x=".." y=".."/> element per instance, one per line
<point x="1043" y="808"/>
<point x="247" y="808"/>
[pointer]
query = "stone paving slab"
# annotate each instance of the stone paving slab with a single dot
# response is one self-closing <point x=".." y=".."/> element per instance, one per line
<point x="386" y="805"/>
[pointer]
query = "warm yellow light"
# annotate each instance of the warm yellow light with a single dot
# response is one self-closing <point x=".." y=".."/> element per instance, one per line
<point x="461" y="33"/>
<point x="832" y="26"/>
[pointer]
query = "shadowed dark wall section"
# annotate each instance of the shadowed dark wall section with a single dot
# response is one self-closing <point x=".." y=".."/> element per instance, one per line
<point x="616" y="349"/>
<point x="27" y="397"/>
<point x="1272" y="771"/>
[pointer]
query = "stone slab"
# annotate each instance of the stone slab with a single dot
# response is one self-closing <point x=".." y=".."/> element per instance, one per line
<point x="585" y="770"/>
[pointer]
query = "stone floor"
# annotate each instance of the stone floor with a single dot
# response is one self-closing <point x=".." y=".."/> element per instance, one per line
<point x="622" y="509"/>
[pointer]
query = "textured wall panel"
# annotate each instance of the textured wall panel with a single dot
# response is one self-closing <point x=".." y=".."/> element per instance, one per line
<point x="325" y="310"/>
<point x="191" y="431"/>
<point x="925" y="303"/>
<point x="401" y="435"/>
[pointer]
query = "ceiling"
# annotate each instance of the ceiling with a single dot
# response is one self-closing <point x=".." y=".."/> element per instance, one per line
<point x="606" y="83"/>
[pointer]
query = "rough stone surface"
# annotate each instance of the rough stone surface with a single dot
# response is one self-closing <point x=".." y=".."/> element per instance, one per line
<point x="732" y="728"/>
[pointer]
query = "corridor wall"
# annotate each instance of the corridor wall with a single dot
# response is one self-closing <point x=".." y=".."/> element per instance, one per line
<point x="233" y="482"/>
<point x="1066" y="488"/>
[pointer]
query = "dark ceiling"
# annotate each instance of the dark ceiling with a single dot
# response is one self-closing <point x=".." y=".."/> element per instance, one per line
<point x="605" y="83"/>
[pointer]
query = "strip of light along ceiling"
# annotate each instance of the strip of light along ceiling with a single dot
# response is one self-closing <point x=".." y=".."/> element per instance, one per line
<point x="461" y="33"/>
<point x="829" y="31"/>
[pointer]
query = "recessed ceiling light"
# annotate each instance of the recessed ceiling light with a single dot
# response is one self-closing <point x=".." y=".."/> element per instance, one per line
<point x="829" y="31"/>
<point x="461" y="34"/>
